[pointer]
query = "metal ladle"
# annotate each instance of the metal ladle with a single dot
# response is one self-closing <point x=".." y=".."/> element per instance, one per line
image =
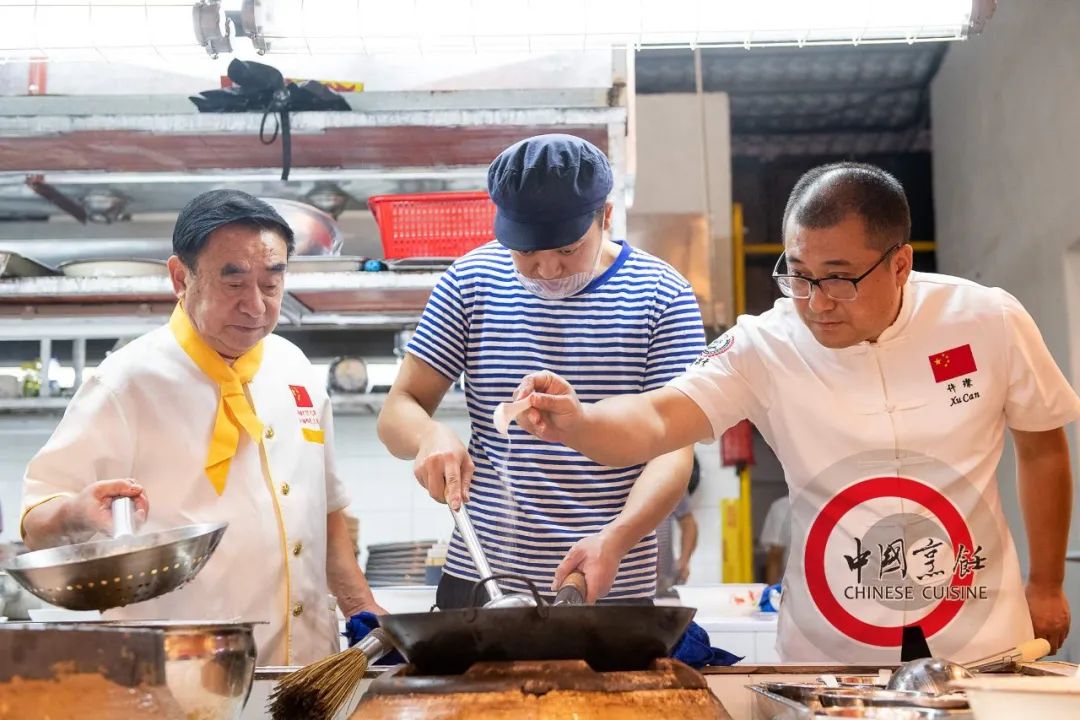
<point x="499" y="599"/>
<point x="933" y="675"/>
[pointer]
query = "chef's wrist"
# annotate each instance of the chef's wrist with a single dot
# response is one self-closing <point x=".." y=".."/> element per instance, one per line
<point x="423" y="434"/>
<point x="621" y="536"/>
<point x="353" y="606"/>
<point x="1049" y="581"/>
<point x="72" y="519"/>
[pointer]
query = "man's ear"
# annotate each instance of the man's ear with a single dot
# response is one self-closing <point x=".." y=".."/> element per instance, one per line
<point x="905" y="263"/>
<point x="180" y="274"/>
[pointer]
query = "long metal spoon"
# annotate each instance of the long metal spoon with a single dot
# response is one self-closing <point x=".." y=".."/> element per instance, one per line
<point x="499" y="599"/>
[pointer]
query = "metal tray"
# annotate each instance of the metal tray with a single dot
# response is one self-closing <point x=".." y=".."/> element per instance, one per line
<point x="877" y="697"/>
<point x="406" y="545"/>
<point x="420" y="552"/>
<point x="420" y="264"/>
<point x="134" y="267"/>
<point x="799" y="701"/>
<point x="14" y="265"/>
<point x="324" y="263"/>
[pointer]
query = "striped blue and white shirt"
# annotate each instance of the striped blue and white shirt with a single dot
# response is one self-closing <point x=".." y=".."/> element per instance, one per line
<point x="634" y="328"/>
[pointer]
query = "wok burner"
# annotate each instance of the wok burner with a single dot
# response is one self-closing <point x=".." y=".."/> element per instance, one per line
<point x="542" y="690"/>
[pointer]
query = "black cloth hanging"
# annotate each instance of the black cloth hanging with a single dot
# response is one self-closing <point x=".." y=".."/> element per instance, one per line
<point x="262" y="88"/>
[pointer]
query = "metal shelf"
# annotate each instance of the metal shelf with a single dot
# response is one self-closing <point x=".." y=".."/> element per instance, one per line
<point x="32" y="405"/>
<point x="66" y="308"/>
<point x="26" y="126"/>
<point x="381" y="101"/>
<point x="158" y="156"/>
<point x="157" y="151"/>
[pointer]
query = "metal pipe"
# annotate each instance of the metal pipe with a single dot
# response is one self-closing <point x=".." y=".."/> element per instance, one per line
<point x="46" y="360"/>
<point x="78" y="360"/>
<point x="706" y="183"/>
<point x="738" y="264"/>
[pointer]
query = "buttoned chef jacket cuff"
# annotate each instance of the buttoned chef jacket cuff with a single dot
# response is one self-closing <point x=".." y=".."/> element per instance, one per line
<point x="703" y="393"/>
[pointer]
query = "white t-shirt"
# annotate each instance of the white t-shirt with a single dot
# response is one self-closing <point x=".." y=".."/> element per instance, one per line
<point x="148" y="413"/>
<point x="776" y="532"/>
<point x="890" y="450"/>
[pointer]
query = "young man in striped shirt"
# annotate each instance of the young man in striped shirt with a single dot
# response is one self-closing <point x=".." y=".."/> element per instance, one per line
<point x="553" y="292"/>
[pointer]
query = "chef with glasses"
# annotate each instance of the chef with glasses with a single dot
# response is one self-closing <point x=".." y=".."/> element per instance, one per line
<point x="886" y="395"/>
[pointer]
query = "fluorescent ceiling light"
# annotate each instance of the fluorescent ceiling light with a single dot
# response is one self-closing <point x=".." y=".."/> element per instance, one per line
<point x="120" y="29"/>
<point x="110" y="30"/>
<point x="440" y="26"/>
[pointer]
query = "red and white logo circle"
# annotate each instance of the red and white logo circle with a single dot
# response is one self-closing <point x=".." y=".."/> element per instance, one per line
<point x="921" y="562"/>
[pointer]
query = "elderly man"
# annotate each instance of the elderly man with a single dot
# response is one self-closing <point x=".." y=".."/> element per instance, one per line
<point x="211" y="418"/>
<point x="886" y="394"/>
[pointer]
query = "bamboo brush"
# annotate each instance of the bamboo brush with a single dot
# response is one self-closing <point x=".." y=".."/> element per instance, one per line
<point x="321" y="689"/>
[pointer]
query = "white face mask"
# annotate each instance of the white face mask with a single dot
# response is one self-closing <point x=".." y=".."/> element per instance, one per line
<point x="564" y="287"/>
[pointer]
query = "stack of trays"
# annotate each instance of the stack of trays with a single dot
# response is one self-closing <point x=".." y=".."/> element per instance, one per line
<point x="815" y="701"/>
<point x="400" y="563"/>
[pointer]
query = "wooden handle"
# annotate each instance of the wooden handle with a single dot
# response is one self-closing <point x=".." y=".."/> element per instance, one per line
<point x="1033" y="650"/>
<point x="1029" y="651"/>
<point x="573" y="590"/>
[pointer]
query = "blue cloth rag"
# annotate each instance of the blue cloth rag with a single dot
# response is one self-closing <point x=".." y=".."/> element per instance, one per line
<point x="770" y="599"/>
<point x="695" y="649"/>
<point x="357" y="628"/>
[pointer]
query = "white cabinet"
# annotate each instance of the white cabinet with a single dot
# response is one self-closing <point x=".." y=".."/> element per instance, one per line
<point x="752" y="637"/>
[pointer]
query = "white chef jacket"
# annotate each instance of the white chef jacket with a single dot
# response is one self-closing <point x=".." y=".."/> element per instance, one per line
<point x="148" y="413"/>
<point x="890" y="451"/>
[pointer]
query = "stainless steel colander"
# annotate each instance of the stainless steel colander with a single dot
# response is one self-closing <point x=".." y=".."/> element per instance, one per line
<point x="126" y="569"/>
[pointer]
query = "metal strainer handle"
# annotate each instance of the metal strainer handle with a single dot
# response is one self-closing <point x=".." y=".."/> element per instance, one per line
<point x="123" y="514"/>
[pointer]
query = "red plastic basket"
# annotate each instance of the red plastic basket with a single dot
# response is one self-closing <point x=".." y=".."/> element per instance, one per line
<point x="447" y="224"/>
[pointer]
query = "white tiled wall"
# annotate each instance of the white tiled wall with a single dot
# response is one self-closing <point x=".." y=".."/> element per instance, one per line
<point x="389" y="503"/>
<point x="20" y="437"/>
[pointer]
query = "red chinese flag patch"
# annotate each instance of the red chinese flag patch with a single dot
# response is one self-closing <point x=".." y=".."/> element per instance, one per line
<point x="952" y="363"/>
<point x="300" y="395"/>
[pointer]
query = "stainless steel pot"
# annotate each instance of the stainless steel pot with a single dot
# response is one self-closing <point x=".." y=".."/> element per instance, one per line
<point x="209" y="667"/>
<point x="206" y="668"/>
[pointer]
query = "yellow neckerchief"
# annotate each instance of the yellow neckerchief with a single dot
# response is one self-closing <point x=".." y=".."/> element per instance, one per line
<point x="233" y="411"/>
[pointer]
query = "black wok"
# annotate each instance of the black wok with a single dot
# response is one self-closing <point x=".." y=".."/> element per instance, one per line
<point x="609" y="637"/>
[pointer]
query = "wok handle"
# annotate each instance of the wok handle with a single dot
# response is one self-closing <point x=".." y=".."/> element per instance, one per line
<point x="476" y="552"/>
<point x="123" y="512"/>
<point x="573" y="591"/>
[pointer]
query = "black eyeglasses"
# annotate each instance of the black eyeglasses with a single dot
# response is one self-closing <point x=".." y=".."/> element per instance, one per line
<point x="839" y="289"/>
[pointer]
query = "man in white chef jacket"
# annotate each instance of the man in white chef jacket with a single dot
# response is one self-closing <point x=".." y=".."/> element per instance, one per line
<point x="211" y="418"/>
<point x="886" y="394"/>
